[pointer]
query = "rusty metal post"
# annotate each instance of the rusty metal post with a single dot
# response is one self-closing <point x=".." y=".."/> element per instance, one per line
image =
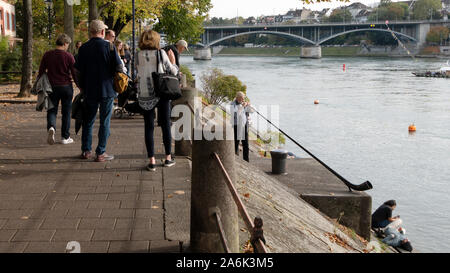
<point x="210" y="193"/>
<point x="184" y="147"/>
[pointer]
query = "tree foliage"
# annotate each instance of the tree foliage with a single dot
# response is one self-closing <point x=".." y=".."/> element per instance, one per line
<point x="183" y="20"/>
<point x="438" y="34"/>
<point x="388" y="10"/>
<point x="426" y="9"/>
<point x="219" y="88"/>
<point x="339" y="15"/>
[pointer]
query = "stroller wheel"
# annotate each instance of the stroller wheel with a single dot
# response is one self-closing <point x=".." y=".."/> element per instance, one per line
<point x="118" y="113"/>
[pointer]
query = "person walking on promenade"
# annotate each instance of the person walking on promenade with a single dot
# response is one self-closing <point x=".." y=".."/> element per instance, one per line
<point x="127" y="58"/>
<point x="240" y="110"/>
<point x="59" y="66"/>
<point x="382" y="217"/>
<point x="146" y="61"/>
<point x="110" y="36"/>
<point x="96" y="65"/>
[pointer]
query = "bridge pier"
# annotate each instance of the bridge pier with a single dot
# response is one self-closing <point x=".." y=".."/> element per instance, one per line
<point x="311" y="52"/>
<point x="202" y="54"/>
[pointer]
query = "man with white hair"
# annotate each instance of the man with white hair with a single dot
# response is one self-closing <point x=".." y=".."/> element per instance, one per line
<point x="178" y="48"/>
<point x="96" y="65"/>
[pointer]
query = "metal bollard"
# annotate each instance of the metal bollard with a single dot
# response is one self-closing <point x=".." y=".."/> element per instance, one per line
<point x="209" y="190"/>
<point x="184" y="147"/>
<point x="279" y="161"/>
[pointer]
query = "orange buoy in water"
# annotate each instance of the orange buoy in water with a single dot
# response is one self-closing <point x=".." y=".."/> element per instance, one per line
<point x="412" y="128"/>
<point x="316" y="102"/>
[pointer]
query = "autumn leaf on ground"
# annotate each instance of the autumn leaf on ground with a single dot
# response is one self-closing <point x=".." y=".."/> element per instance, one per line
<point x="155" y="207"/>
<point x="55" y="160"/>
<point x="118" y="174"/>
<point x="24" y="217"/>
<point x="169" y="196"/>
<point x="243" y="230"/>
<point x="247" y="195"/>
<point x="179" y="192"/>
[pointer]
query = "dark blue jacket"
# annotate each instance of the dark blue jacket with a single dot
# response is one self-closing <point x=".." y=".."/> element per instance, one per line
<point x="97" y="63"/>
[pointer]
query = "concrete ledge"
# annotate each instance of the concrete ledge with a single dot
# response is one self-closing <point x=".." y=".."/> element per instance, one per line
<point x="353" y="209"/>
<point x="320" y="188"/>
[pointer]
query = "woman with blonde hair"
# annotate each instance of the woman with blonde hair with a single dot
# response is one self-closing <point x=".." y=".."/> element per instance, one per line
<point x="147" y="63"/>
<point x="121" y="51"/>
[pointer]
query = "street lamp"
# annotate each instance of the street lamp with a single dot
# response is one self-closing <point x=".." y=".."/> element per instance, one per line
<point x="49" y="4"/>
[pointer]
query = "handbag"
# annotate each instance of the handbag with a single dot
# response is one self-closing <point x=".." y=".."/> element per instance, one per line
<point x="166" y="86"/>
<point x="120" y="79"/>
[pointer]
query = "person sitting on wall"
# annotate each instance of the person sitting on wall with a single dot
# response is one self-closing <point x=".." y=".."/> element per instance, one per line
<point x="382" y="217"/>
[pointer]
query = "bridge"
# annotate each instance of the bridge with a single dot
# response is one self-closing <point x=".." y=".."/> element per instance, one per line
<point x="313" y="35"/>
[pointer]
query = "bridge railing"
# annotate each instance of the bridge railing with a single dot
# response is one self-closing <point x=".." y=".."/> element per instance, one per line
<point x="353" y="22"/>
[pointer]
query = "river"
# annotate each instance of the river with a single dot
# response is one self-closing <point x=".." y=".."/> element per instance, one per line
<point x="360" y="127"/>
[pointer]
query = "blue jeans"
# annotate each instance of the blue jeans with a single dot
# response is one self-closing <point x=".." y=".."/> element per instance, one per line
<point x="65" y="95"/>
<point x="106" y="106"/>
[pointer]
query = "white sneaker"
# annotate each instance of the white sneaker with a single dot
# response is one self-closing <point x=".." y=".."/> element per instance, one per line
<point x="51" y="136"/>
<point x="67" y="141"/>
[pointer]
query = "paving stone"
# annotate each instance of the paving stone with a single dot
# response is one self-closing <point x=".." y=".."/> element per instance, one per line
<point x="58" y="223"/>
<point x="104" y="204"/>
<point x="46" y="247"/>
<point x="82" y="213"/>
<point x="71" y="204"/>
<point x="133" y="223"/>
<point x="62" y="197"/>
<point x="92" y="197"/>
<point x="79" y="190"/>
<point x="2" y="222"/>
<point x="38" y="204"/>
<point x="137" y="204"/>
<point x="12" y="247"/>
<point x="111" y="189"/>
<point x="129" y="247"/>
<point x="148" y="213"/>
<point x="6" y="235"/>
<point x="33" y="236"/>
<point x="150" y="196"/>
<point x="122" y="196"/>
<point x="72" y="235"/>
<point x="94" y="247"/>
<point x="97" y="223"/>
<point x="47" y="213"/>
<point x="117" y="213"/>
<point x="15" y="213"/>
<point x="23" y="224"/>
<point x="147" y="234"/>
<point x="11" y="204"/>
<point x="111" y="235"/>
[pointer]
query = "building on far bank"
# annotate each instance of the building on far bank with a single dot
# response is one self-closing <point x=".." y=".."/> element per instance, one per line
<point x="7" y="19"/>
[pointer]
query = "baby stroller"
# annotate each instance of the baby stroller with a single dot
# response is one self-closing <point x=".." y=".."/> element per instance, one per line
<point x="127" y="103"/>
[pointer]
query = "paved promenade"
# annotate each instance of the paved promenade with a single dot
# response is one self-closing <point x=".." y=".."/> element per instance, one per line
<point x="49" y="197"/>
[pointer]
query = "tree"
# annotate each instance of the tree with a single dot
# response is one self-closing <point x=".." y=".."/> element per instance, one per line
<point x="27" y="50"/>
<point x="219" y="87"/>
<point x="339" y="16"/>
<point x="68" y="23"/>
<point x="184" y="20"/>
<point x="93" y="10"/>
<point x="438" y="34"/>
<point x="426" y="9"/>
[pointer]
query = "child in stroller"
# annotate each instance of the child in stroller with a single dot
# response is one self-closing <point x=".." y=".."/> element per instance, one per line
<point x="127" y="103"/>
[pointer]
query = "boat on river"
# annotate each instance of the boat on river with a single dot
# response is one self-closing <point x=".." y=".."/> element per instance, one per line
<point x="444" y="72"/>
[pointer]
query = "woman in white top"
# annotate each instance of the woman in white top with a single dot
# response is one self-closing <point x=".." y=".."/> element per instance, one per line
<point x="146" y="64"/>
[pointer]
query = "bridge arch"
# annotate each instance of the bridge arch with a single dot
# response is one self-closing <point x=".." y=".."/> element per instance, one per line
<point x="293" y="36"/>
<point x="365" y="29"/>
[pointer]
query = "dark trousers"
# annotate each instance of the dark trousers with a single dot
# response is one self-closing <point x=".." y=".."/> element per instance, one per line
<point x="164" y="111"/>
<point x="106" y="106"/>
<point x="244" y="138"/>
<point x="65" y="95"/>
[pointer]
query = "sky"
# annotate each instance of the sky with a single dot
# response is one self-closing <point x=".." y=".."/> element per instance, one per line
<point x="247" y="8"/>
